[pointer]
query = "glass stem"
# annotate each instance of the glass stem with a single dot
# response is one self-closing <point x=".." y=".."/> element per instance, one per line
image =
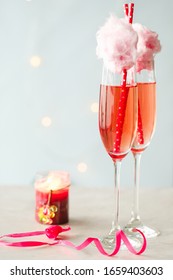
<point x="117" y="168"/>
<point x="135" y="206"/>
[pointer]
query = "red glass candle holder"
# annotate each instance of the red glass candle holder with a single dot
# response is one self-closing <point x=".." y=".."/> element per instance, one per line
<point x="52" y="197"/>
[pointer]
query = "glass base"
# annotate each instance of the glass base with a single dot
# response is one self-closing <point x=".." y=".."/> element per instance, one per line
<point x="109" y="241"/>
<point x="149" y="232"/>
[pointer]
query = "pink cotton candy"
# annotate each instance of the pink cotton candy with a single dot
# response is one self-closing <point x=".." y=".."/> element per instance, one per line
<point x="148" y="45"/>
<point x="117" y="44"/>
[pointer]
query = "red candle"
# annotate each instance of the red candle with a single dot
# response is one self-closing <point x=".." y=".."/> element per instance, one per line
<point x="52" y="198"/>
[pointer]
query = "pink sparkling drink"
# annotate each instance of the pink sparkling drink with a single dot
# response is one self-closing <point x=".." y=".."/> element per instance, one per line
<point x="146" y="116"/>
<point x="108" y="114"/>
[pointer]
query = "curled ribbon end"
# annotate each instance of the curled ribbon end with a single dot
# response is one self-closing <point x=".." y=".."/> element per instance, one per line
<point x="144" y="246"/>
<point x="129" y="245"/>
<point x="52" y="232"/>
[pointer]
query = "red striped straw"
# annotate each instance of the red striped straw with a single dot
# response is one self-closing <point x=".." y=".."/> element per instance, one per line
<point x="140" y="134"/>
<point x="139" y="128"/>
<point x="131" y="10"/>
<point x="128" y="10"/>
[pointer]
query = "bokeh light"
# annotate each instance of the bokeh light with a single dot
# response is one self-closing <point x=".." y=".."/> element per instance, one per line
<point x="46" y="121"/>
<point x="82" y="167"/>
<point x="35" y="61"/>
<point x="95" y="107"/>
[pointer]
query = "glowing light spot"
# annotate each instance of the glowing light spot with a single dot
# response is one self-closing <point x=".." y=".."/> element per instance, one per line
<point x="94" y="107"/>
<point x="82" y="167"/>
<point x="35" y="61"/>
<point x="46" y="121"/>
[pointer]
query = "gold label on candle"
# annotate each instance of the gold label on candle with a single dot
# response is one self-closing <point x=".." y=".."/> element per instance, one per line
<point x="46" y="213"/>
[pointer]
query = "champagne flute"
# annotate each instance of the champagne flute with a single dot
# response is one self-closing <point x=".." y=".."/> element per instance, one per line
<point x="146" y="125"/>
<point x="117" y="126"/>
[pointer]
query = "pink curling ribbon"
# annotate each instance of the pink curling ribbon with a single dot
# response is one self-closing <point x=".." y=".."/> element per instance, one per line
<point x="52" y="232"/>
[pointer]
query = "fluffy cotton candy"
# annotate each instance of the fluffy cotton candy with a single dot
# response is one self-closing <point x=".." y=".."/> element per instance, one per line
<point x="148" y="45"/>
<point x="117" y="44"/>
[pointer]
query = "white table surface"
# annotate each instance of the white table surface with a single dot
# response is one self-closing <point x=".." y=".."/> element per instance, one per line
<point x="90" y="215"/>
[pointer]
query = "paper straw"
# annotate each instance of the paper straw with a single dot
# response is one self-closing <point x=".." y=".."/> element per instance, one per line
<point x="131" y="10"/>
<point x="128" y="9"/>
<point x="139" y="128"/>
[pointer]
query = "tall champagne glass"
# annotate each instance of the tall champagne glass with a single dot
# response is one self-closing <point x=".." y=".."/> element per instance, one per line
<point x="146" y="125"/>
<point x="117" y="126"/>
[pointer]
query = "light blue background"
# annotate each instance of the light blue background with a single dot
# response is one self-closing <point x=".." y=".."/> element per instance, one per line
<point x="62" y="33"/>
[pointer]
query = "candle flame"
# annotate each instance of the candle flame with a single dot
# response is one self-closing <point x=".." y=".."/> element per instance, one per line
<point x="54" y="183"/>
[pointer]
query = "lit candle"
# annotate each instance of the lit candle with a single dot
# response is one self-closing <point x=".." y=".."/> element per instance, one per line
<point x="52" y="197"/>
